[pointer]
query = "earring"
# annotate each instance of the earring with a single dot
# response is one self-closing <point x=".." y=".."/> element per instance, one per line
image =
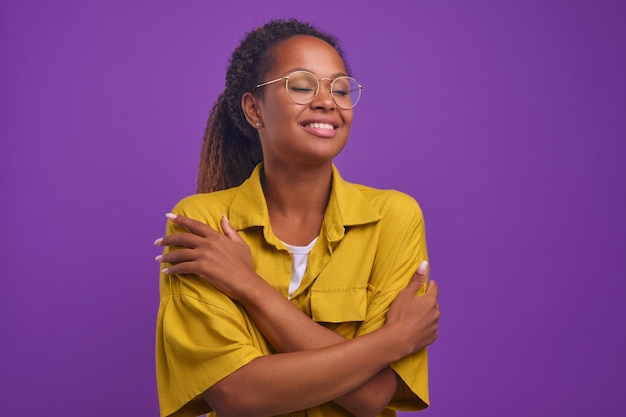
<point x="259" y="125"/>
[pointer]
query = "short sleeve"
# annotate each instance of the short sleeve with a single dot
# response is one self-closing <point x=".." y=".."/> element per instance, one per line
<point x="202" y="337"/>
<point x="199" y="344"/>
<point x="401" y="248"/>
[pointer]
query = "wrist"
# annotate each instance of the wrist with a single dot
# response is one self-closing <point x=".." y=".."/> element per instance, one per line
<point x="253" y="290"/>
<point x="394" y="342"/>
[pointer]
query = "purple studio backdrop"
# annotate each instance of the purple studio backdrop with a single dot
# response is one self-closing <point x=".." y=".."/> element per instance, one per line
<point x="506" y="120"/>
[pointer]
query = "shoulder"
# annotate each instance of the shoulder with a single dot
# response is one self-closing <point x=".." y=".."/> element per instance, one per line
<point x="362" y="202"/>
<point x="393" y="206"/>
<point x="206" y="206"/>
<point x="390" y="200"/>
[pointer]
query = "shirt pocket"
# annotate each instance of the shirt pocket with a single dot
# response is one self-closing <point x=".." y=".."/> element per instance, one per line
<point x="339" y="304"/>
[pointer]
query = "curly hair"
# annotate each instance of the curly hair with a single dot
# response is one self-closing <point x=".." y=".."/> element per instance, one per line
<point x="231" y="147"/>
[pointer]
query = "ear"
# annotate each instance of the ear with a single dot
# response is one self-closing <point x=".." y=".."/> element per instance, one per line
<point x="250" y="107"/>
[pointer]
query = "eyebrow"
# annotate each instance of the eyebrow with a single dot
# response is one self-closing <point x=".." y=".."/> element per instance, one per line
<point x="335" y="75"/>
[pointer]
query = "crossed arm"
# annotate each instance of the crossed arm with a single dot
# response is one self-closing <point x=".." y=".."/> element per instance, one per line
<point x="354" y="373"/>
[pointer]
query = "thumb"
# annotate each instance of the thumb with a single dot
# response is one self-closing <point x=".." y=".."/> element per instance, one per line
<point x="420" y="277"/>
<point x="228" y="230"/>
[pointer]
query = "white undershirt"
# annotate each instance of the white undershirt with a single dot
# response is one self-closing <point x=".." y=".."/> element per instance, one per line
<point x="300" y="256"/>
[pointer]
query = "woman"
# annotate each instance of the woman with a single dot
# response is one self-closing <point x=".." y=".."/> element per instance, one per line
<point x="294" y="291"/>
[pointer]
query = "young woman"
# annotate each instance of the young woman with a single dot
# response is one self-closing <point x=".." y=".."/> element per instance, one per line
<point x="285" y="289"/>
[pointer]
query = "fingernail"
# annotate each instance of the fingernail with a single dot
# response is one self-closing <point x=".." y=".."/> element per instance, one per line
<point x="422" y="268"/>
<point x="225" y="218"/>
<point x="158" y="258"/>
<point x="166" y="270"/>
<point x="158" y="241"/>
<point x="171" y="216"/>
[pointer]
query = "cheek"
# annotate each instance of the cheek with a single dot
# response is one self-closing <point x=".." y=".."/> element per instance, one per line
<point x="347" y="119"/>
<point x="281" y="114"/>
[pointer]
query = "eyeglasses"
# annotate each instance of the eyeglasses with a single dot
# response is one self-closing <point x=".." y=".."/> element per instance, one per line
<point x="302" y="88"/>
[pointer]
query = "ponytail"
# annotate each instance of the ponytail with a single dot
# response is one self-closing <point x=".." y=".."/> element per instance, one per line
<point x="228" y="155"/>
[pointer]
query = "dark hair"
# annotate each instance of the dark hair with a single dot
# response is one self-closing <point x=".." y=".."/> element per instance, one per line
<point x="231" y="148"/>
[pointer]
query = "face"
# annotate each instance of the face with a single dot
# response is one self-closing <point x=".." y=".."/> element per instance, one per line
<point x="303" y="134"/>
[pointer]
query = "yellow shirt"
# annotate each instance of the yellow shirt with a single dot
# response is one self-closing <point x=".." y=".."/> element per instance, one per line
<point x="370" y="244"/>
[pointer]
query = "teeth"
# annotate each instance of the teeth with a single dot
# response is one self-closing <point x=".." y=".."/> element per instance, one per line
<point x="320" y="126"/>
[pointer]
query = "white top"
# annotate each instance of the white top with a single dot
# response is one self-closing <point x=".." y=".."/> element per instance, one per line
<point x="300" y="256"/>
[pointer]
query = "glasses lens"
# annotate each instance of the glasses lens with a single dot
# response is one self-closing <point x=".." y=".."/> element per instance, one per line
<point x="346" y="92"/>
<point x="301" y="87"/>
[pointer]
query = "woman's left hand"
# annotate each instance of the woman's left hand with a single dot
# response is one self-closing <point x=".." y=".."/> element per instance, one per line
<point x="224" y="260"/>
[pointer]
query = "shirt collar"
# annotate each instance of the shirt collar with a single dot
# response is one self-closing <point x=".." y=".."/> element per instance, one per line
<point x="346" y="206"/>
<point x="248" y="208"/>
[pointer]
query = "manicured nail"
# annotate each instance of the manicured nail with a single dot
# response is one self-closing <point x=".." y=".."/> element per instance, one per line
<point x="422" y="268"/>
<point x="166" y="270"/>
<point x="158" y="258"/>
<point x="158" y="241"/>
<point x="171" y="216"/>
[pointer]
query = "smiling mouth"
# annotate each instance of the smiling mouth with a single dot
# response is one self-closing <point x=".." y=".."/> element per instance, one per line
<point x="319" y="126"/>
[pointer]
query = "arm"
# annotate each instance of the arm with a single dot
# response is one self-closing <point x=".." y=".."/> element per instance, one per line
<point x="280" y="383"/>
<point x="288" y="329"/>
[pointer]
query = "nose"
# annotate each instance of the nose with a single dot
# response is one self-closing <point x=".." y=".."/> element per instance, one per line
<point x="323" y="99"/>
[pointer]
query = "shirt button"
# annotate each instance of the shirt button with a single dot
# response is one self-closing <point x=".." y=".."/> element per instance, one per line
<point x="295" y="303"/>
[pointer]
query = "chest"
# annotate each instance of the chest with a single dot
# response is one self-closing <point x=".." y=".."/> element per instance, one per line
<point x="334" y="288"/>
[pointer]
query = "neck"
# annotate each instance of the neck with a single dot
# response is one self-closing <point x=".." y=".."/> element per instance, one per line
<point x="296" y="201"/>
<point x="297" y="191"/>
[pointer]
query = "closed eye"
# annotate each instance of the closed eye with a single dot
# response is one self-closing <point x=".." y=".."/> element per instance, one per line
<point x="301" y="89"/>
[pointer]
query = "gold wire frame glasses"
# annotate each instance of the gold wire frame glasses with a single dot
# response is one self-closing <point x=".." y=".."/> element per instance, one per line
<point x="303" y="86"/>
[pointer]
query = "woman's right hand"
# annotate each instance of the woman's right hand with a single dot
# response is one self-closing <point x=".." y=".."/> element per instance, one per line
<point x="222" y="259"/>
<point x="415" y="318"/>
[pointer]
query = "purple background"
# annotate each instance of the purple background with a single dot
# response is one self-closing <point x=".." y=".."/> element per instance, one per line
<point x="505" y="119"/>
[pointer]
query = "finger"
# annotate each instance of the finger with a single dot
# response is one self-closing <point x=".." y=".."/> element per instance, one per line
<point x="180" y="269"/>
<point x="177" y="256"/>
<point x="433" y="289"/>
<point x="187" y="240"/>
<point x="194" y="226"/>
<point x="229" y="231"/>
<point x="423" y="271"/>
<point x="420" y="276"/>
